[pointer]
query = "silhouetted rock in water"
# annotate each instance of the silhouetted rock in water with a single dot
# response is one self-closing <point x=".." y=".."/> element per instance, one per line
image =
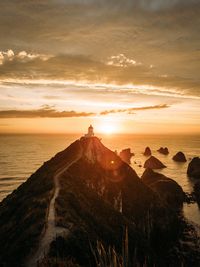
<point x="179" y="157"/>
<point x="197" y="192"/>
<point x="147" y="152"/>
<point x="153" y="163"/>
<point x="193" y="169"/>
<point x="163" y="150"/>
<point x="126" y="155"/>
<point x="98" y="195"/>
<point x="168" y="189"/>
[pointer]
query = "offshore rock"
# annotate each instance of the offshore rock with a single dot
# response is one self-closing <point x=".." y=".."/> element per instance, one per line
<point x="126" y="155"/>
<point x="179" y="157"/>
<point x="163" y="150"/>
<point x="153" y="163"/>
<point x="147" y="152"/>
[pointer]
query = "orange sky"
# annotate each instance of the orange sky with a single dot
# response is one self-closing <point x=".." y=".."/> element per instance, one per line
<point x="124" y="66"/>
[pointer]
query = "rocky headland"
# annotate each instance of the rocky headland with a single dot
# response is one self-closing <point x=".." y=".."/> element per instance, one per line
<point x="87" y="204"/>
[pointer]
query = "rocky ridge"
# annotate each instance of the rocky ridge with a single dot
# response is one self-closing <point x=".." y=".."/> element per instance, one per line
<point x="94" y="196"/>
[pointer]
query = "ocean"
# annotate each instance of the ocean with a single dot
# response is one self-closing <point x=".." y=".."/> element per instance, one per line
<point x="21" y="155"/>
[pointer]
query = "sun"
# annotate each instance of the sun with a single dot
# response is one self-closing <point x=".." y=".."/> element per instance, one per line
<point x="108" y="127"/>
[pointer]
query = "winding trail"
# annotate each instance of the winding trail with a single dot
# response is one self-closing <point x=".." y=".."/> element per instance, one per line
<point x="51" y="229"/>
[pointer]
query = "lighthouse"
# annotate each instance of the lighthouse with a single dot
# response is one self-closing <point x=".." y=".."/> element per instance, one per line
<point x="90" y="131"/>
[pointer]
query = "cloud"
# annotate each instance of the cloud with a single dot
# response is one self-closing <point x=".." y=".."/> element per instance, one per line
<point x="47" y="111"/>
<point x="21" y="57"/>
<point x="131" y="110"/>
<point x="167" y="40"/>
<point x="122" y="61"/>
<point x="80" y="70"/>
<point x="44" y="112"/>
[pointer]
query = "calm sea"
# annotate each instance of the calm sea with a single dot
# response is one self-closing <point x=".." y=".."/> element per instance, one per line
<point x="21" y="155"/>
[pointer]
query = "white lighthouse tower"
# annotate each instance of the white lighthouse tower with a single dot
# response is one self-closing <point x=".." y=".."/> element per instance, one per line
<point x="90" y="131"/>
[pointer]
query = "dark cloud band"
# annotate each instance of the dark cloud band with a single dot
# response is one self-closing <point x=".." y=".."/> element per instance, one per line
<point x="50" y="112"/>
<point x="45" y="112"/>
<point x="131" y="110"/>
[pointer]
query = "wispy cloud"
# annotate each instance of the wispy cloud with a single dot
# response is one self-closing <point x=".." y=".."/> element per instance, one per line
<point x="44" y="112"/>
<point x="47" y="111"/>
<point x="122" y="61"/>
<point x="131" y="110"/>
<point x="21" y="57"/>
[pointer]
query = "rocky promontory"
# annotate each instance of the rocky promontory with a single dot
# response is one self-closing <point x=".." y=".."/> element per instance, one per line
<point x="84" y="198"/>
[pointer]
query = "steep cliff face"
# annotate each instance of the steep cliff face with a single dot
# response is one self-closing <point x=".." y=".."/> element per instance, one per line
<point x="84" y="194"/>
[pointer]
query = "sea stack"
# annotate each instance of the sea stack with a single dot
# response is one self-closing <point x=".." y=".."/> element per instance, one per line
<point x="179" y="157"/>
<point x="126" y="155"/>
<point x="153" y="163"/>
<point x="163" y="150"/>
<point x="147" y="152"/>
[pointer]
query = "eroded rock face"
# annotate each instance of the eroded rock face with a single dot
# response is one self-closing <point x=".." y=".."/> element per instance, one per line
<point x="179" y="157"/>
<point x="153" y="163"/>
<point x="126" y="155"/>
<point x="194" y="168"/>
<point x="163" y="150"/>
<point x="147" y="152"/>
<point x="168" y="189"/>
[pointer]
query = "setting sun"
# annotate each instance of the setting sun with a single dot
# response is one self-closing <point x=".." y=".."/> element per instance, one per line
<point x="108" y="127"/>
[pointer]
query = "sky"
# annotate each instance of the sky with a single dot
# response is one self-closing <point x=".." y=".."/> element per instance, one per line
<point x="129" y="66"/>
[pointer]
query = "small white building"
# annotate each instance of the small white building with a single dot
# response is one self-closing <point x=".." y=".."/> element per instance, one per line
<point x="90" y="131"/>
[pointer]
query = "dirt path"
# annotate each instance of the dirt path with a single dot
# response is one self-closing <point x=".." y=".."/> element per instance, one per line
<point x="51" y="229"/>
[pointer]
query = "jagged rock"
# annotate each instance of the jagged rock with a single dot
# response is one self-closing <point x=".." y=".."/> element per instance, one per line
<point x="194" y="168"/>
<point x="153" y="163"/>
<point x="126" y="155"/>
<point x="179" y="157"/>
<point x="147" y="152"/>
<point x="163" y="150"/>
<point x="168" y="189"/>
